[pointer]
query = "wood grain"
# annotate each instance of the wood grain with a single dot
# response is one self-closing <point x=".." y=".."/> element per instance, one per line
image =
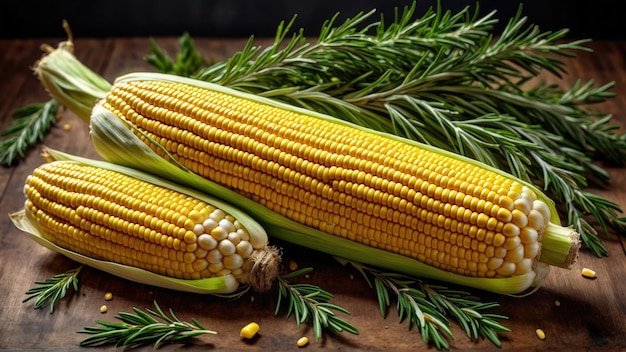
<point x="590" y="316"/>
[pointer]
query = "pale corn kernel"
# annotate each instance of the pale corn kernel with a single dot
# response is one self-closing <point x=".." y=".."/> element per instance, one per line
<point x="244" y="249"/>
<point x="198" y="229"/>
<point x="531" y="250"/>
<point x="529" y="235"/>
<point x="108" y="296"/>
<point x="524" y="266"/>
<point x="219" y="233"/>
<point x="535" y="220"/>
<point x="226" y="247"/>
<point x="103" y="309"/>
<point x="540" y="334"/>
<point x="588" y="273"/>
<point x="234" y="238"/>
<point x="506" y="269"/>
<point x="557" y="303"/>
<point x="523" y="205"/>
<point x="214" y="256"/>
<point x="67" y="127"/>
<point x="250" y="330"/>
<point x="209" y="224"/>
<point x="527" y="192"/>
<point x="217" y="215"/>
<point x="243" y="234"/>
<point x="216" y="267"/>
<point x="303" y="341"/>
<point x="207" y="242"/>
<point x="543" y="209"/>
<point x="233" y="261"/>
<point x="227" y="225"/>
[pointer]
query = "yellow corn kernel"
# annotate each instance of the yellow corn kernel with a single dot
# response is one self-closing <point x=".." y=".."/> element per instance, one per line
<point x="108" y="296"/>
<point x="303" y="341"/>
<point x="108" y="215"/>
<point x="588" y="273"/>
<point x="103" y="309"/>
<point x="540" y="334"/>
<point x="250" y="330"/>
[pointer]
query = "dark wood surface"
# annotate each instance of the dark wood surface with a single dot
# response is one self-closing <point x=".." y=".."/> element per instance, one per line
<point x="591" y="315"/>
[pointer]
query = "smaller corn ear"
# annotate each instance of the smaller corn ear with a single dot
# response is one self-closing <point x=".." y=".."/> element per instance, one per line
<point x="145" y="231"/>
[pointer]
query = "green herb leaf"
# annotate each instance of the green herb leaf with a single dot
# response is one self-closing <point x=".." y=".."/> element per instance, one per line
<point x="310" y="304"/>
<point x="49" y="291"/>
<point x="429" y="307"/>
<point x="188" y="61"/>
<point x="32" y="122"/>
<point x="142" y="328"/>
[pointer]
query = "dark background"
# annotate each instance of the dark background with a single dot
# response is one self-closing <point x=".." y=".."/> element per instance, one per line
<point x="593" y="19"/>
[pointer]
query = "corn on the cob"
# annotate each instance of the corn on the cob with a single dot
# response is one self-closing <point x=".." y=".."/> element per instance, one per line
<point x="111" y="216"/>
<point x="330" y="185"/>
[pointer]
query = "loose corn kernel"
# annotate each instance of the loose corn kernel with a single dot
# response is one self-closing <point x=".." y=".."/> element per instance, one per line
<point x="67" y="127"/>
<point x="540" y="334"/>
<point x="103" y="309"/>
<point x="249" y="331"/>
<point x="303" y="341"/>
<point x="293" y="265"/>
<point x="557" y="303"/>
<point x="588" y="273"/>
<point x="108" y="296"/>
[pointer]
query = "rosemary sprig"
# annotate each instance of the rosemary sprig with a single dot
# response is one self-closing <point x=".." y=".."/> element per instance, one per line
<point x="53" y="289"/>
<point x="32" y="122"/>
<point x="142" y="328"/>
<point x="188" y="61"/>
<point x="427" y="307"/>
<point x="310" y="304"/>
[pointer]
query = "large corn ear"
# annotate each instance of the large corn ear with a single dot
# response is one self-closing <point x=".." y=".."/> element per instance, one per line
<point x="326" y="184"/>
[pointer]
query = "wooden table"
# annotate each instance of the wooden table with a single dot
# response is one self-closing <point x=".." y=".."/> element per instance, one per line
<point x="591" y="315"/>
